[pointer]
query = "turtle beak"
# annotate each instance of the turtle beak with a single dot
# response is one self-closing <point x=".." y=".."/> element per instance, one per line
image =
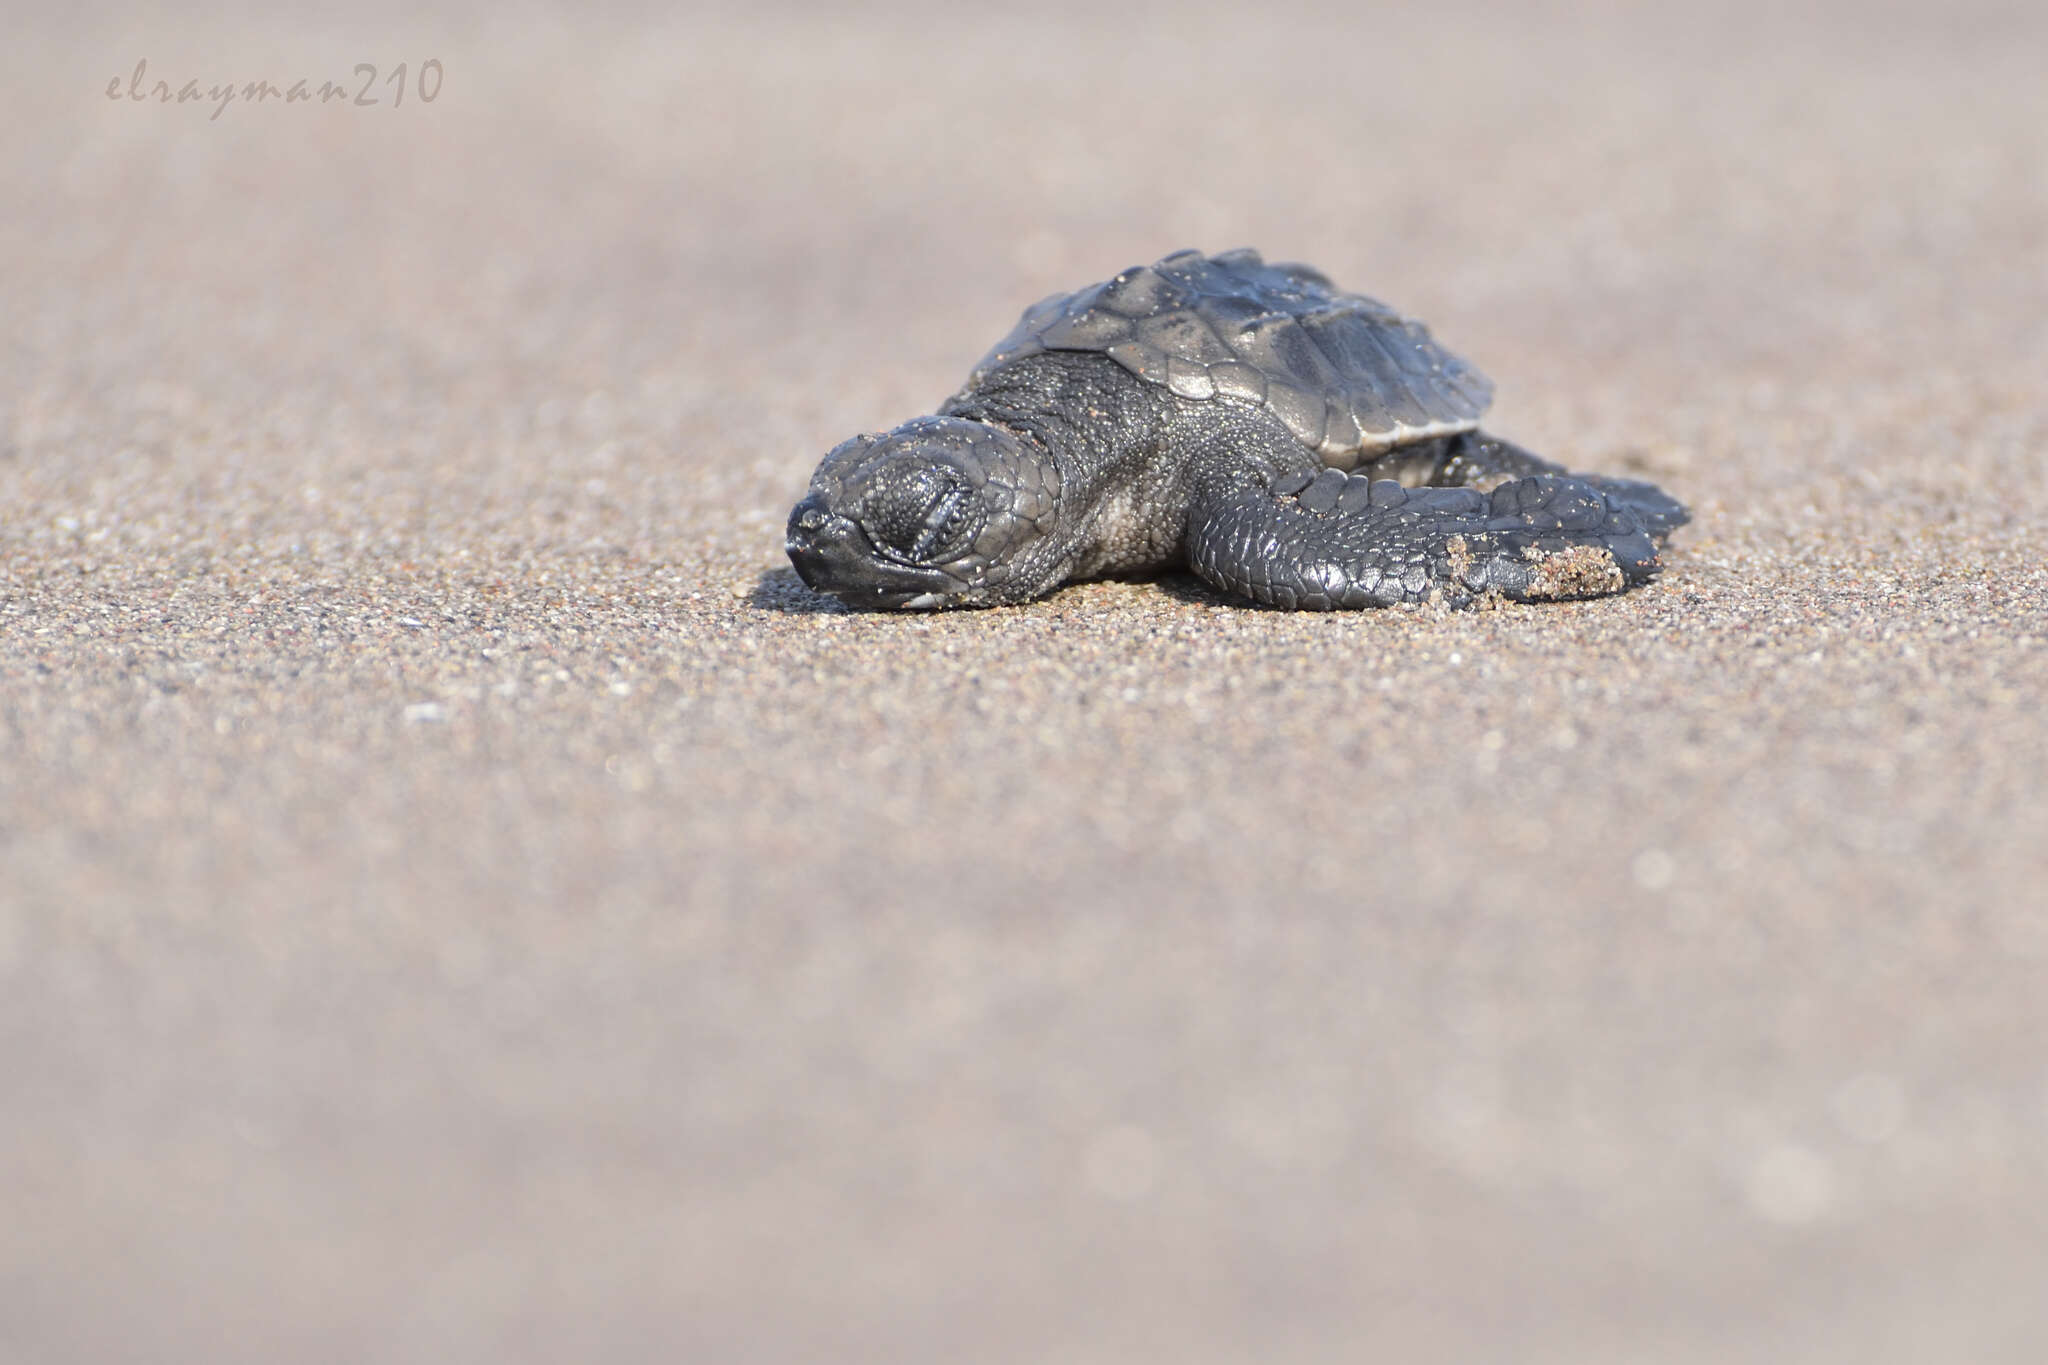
<point x="817" y="539"/>
<point x="833" y="555"/>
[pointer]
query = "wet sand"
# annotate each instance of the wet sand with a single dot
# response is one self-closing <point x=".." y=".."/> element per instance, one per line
<point x="462" y="899"/>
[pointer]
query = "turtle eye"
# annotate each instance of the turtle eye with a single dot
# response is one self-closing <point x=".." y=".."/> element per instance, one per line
<point x="918" y="518"/>
<point x="942" y="523"/>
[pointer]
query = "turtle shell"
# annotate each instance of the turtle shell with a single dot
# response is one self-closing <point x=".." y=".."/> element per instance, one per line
<point x="1347" y="374"/>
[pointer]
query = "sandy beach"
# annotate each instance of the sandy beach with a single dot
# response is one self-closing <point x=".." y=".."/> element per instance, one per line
<point x="463" y="899"/>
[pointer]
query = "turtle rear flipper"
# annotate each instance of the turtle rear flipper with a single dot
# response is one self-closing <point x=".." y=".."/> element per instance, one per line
<point x="1659" y="513"/>
<point x="1336" y="541"/>
<point x="1477" y="460"/>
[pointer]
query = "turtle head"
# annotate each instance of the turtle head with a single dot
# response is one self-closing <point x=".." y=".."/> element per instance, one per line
<point x="940" y="512"/>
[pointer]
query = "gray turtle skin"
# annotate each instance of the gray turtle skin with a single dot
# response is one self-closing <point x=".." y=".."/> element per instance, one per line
<point x="1288" y="442"/>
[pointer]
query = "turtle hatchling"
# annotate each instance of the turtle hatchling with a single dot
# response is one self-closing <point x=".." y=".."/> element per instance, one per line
<point x="1288" y="442"/>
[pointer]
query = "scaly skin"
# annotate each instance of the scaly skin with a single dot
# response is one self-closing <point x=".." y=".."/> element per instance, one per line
<point x="1063" y="465"/>
<point x="1354" y="541"/>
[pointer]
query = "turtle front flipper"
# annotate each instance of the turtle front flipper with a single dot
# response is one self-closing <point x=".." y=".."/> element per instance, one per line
<point x="1333" y="541"/>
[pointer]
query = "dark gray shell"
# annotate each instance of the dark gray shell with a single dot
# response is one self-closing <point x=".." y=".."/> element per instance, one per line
<point x="1347" y="374"/>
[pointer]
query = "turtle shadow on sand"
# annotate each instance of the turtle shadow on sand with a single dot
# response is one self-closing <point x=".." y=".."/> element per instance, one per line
<point x="1190" y="591"/>
<point x="780" y="590"/>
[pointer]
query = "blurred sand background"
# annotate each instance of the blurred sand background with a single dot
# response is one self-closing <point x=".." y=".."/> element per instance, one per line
<point x="462" y="900"/>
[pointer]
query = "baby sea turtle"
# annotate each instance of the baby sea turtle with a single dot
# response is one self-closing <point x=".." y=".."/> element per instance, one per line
<point x="1287" y="442"/>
